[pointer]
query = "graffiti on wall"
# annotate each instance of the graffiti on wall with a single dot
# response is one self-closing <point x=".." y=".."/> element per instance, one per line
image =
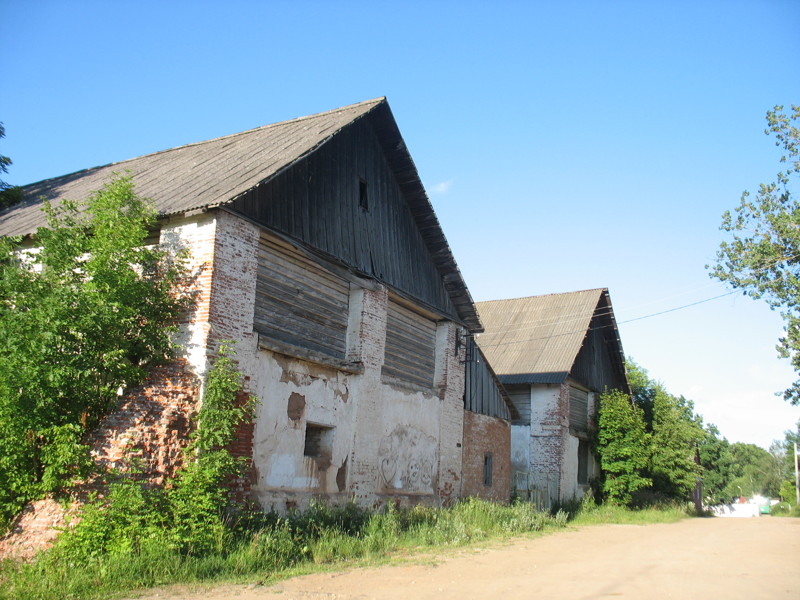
<point x="407" y="460"/>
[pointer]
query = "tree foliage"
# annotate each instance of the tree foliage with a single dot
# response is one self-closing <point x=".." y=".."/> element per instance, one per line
<point x="652" y="446"/>
<point x="82" y="315"/>
<point x="188" y="514"/>
<point x="674" y="434"/>
<point x="783" y="453"/>
<point x="9" y="194"/>
<point x="622" y="446"/>
<point x="717" y="463"/>
<point x="755" y="472"/>
<point x="763" y="257"/>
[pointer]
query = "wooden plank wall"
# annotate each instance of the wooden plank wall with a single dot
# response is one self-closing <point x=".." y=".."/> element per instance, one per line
<point x="298" y="302"/>
<point x="316" y="201"/>
<point x="410" y="346"/>
<point x="578" y="409"/>
<point x="521" y="398"/>
<point x="481" y="394"/>
<point x="593" y="367"/>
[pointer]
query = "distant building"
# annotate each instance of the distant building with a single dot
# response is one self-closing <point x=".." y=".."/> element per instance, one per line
<point x="554" y="355"/>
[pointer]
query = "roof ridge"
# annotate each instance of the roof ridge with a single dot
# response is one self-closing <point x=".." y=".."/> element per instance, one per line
<point x="600" y="289"/>
<point x="376" y="101"/>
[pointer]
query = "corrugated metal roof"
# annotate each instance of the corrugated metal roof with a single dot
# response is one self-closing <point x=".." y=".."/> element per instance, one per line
<point x="536" y="339"/>
<point x="215" y="172"/>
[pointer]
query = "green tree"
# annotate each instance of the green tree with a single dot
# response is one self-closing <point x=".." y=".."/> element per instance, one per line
<point x="673" y="447"/>
<point x="718" y="466"/>
<point x="783" y="451"/>
<point x="763" y="257"/>
<point x="84" y="314"/>
<point x="755" y="471"/>
<point x="622" y="446"/>
<point x="674" y="433"/>
<point x="9" y="194"/>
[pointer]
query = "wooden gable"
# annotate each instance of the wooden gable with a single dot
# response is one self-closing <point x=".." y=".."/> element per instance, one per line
<point x="344" y="201"/>
<point x="598" y="364"/>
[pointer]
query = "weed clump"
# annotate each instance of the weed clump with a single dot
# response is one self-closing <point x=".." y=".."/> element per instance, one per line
<point x="131" y="543"/>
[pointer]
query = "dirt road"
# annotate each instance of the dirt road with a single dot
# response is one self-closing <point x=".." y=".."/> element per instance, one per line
<point x="695" y="558"/>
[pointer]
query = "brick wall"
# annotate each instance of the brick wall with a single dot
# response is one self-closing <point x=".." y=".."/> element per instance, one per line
<point x="233" y="283"/>
<point x="150" y="427"/>
<point x="451" y="418"/>
<point x="149" y="430"/>
<point x="486" y="435"/>
<point x="242" y="448"/>
<point x="370" y="333"/>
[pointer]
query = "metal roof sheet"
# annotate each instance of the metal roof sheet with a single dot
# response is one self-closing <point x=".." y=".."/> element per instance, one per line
<point x="536" y="339"/>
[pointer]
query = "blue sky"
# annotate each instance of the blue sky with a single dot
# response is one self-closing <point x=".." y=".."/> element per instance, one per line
<point x="564" y="146"/>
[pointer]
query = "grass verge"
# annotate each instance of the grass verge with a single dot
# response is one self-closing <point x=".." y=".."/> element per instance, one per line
<point x="264" y="548"/>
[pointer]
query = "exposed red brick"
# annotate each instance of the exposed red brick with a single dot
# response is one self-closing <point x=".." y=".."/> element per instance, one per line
<point x="482" y="435"/>
<point x="148" y="430"/>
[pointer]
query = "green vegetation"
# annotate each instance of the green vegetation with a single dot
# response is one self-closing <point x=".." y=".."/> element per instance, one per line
<point x="653" y="448"/>
<point x="784" y="456"/>
<point x="254" y="546"/>
<point x="622" y="446"/>
<point x="763" y="257"/>
<point x="82" y="316"/>
<point x="9" y="194"/>
<point x="189" y="514"/>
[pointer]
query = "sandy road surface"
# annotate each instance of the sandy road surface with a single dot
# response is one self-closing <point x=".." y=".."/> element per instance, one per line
<point x="695" y="558"/>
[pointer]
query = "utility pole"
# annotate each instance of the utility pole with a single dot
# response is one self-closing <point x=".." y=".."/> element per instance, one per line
<point x="796" y="477"/>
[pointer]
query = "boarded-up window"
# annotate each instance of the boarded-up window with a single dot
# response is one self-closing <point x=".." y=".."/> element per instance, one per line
<point x="299" y="303"/>
<point x="410" y="346"/>
<point x="578" y="409"/>
<point x="521" y="398"/>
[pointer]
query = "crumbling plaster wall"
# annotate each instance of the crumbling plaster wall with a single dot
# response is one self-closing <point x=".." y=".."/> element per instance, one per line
<point x="548" y="428"/>
<point x="383" y="440"/>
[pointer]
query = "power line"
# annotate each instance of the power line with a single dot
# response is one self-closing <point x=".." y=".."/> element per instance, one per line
<point x="599" y="313"/>
<point x="669" y="310"/>
<point x="565" y="318"/>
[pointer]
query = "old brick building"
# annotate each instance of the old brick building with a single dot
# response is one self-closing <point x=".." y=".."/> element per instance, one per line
<point x="554" y="354"/>
<point x="316" y="249"/>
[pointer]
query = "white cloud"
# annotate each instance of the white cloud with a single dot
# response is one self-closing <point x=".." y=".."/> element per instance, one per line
<point x="442" y="187"/>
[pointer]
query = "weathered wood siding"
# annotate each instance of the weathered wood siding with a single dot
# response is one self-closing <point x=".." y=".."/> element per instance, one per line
<point x="319" y="199"/>
<point x="593" y="367"/>
<point x="299" y="302"/>
<point x="521" y="398"/>
<point x="410" y="346"/>
<point x="578" y="409"/>
<point x="481" y="392"/>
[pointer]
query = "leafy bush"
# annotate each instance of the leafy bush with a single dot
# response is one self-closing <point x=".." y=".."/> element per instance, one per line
<point x="622" y="445"/>
<point x="187" y="516"/>
<point x="85" y="314"/>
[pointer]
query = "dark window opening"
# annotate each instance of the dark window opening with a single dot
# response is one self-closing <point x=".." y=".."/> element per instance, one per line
<point x="319" y="441"/>
<point x="583" y="462"/>
<point x="487" y="469"/>
<point x="363" y="199"/>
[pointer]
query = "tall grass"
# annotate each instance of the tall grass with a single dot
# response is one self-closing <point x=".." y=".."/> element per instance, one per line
<point x="265" y="547"/>
<point x="259" y="547"/>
